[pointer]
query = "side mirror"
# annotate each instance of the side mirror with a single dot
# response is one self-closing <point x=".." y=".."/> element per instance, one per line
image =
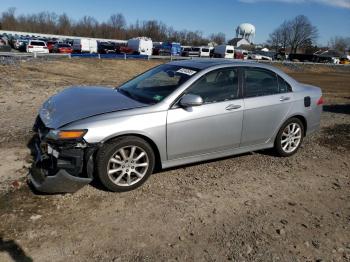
<point x="190" y="100"/>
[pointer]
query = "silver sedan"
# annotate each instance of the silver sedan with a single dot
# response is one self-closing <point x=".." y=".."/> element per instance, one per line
<point x="174" y="114"/>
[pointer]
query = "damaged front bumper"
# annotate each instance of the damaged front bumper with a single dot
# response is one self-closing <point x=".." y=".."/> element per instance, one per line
<point x="60" y="166"/>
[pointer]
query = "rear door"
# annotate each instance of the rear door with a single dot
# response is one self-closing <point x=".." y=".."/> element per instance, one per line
<point x="214" y="126"/>
<point x="267" y="101"/>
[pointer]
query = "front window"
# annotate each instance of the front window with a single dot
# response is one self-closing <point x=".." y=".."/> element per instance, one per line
<point x="217" y="86"/>
<point x="156" y="84"/>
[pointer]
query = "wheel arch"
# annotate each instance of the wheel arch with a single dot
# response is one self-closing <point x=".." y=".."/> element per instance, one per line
<point x="158" y="161"/>
<point x="298" y="116"/>
<point x="302" y="119"/>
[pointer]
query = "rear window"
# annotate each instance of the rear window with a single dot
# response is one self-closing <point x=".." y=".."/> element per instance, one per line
<point x="37" y="43"/>
<point x="284" y="87"/>
<point x="229" y="51"/>
<point x="63" y="45"/>
<point x="206" y="50"/>
<point x="195" y="49"/>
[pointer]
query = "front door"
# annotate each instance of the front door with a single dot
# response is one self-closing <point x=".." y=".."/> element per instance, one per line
<point x="214" y="126"/>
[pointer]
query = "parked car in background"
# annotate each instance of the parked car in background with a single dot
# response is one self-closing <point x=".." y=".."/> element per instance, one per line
<point x="123" y="49"/>
<point x="174" y="114"/>
<point x="62" y="48"/>
<point x="50" y="45"/>
<point x="141" y="45"/>
<point x="36" y="46"/>
<point x="85" y="45"/>
<point x="23" y="45"/>
<point x="20" y="44"/>
<point x="68" y="41"/>
<point x="257" y="56"/>
<point x="239" y="55"/>
<point x="204" y="51"/>
<point x="106" y="48"/>
<point x="303" y="57"/>
<point x="224" y="51"/>
<point x="170" y="48"/>
<point x="188" y="51"/>
<point x="344" y="61"/>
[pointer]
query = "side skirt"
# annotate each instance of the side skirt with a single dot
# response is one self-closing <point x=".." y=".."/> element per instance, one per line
<point x="214" y="155"/>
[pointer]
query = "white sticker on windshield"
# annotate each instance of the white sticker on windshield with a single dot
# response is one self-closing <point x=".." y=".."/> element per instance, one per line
<point x="186" y="71"/>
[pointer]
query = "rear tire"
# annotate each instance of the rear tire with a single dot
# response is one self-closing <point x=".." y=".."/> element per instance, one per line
<point x="289" y="137"/>
<point x="124" y="163"/>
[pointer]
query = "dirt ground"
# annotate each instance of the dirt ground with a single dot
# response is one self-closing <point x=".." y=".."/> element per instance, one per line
<point x="252" y="207"/>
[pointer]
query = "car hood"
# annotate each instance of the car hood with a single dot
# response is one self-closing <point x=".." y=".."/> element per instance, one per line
<point x="76" y="103"/>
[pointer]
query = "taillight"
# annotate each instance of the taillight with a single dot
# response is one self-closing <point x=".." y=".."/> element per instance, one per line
<point x="45" y="47"/>
<point x="320" y="101"/>
<point x="30" y="46"/>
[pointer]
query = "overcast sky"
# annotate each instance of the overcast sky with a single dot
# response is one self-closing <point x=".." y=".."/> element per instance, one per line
<point x="332" y="17"/>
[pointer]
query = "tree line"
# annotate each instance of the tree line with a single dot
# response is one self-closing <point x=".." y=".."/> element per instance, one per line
<point x="299" y="33"/>
<point x="294" y="34"/>
<point x="116" y="27"/>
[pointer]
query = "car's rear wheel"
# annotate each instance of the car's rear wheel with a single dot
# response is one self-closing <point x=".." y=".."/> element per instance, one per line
<point x="125" y="163"/>
<point x="289" y="137"/>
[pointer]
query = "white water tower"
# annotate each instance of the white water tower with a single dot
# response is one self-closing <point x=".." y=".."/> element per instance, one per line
<point x="246" y="31"/>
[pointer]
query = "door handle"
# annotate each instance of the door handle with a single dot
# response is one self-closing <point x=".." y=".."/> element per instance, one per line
<point x="232" y="107"/>
<point x="284" y="98"/>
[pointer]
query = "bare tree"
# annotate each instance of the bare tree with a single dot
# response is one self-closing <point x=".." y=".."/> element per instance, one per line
<point x="117" y="24"/>
<point x="64" y="25"/>
<point x="8" y="20"/>
<point x="87" y="27"/>
<point x="219" y="38"/>
<point x="295" y="33"/>
<point x="278" y="39"/>
<point x="340" y="43"/>
<point x="301" y="32"/>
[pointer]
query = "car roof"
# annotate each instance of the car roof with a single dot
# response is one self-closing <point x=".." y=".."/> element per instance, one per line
<point x="201" y="64"/>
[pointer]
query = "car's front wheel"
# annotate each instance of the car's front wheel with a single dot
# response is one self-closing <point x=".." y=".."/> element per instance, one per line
<point x="289" y="137"/>
<point x="125" y="163"/>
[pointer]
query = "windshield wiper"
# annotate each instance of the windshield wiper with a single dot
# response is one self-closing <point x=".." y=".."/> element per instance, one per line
<point x="127" y="93"/>
<point x="138" y="98"/>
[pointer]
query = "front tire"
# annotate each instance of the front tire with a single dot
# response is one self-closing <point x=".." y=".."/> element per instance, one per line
<point x="125" y="163"/>
<point x="289" y="137"/>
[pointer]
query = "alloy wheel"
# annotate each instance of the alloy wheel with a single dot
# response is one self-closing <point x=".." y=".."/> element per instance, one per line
<point x="128" y="165"/>
<point x="291" y="137"/>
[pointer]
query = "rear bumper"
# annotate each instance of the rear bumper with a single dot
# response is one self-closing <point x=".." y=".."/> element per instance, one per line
<point x="65" y="169"/>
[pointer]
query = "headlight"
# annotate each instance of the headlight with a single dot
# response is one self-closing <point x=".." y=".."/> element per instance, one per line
<point x="66" y="134"/>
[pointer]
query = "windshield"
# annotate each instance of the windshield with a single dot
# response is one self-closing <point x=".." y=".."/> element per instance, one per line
<point x="156" y="84"/>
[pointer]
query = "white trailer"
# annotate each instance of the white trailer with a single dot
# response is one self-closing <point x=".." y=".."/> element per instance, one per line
<point x="224" y="51"/>
<point x="85" y="45"/>
<point x="141" y="45"/>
